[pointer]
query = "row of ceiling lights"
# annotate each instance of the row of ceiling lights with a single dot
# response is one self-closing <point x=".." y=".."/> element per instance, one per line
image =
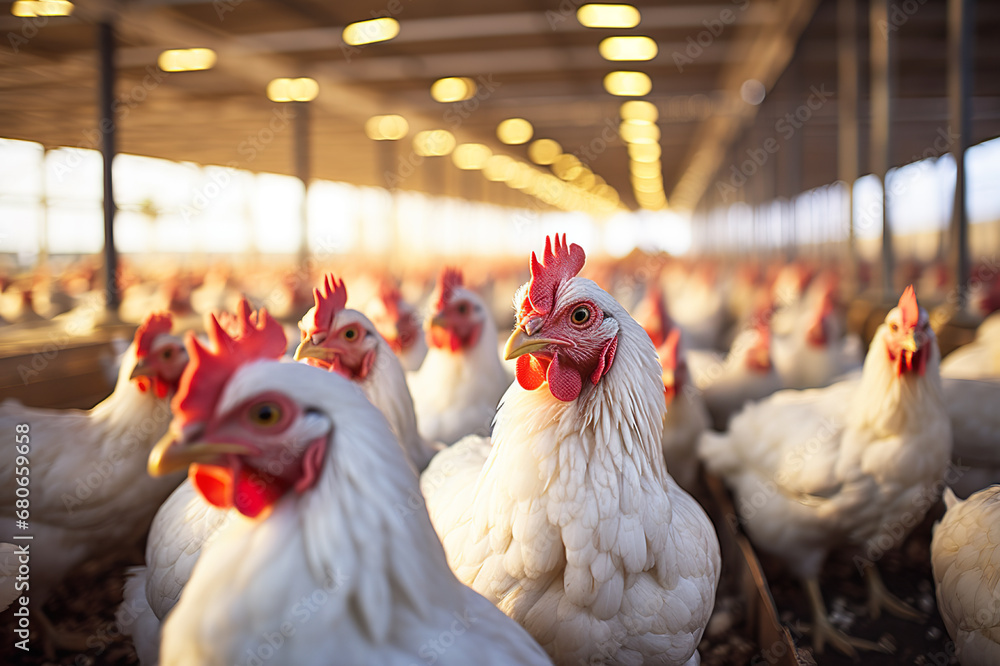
<point x="573" y="185"/>
<point x="570" y="185"/>
<point x="638" y="126"/>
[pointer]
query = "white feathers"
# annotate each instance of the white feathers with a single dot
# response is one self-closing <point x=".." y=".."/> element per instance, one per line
<point x="567" y="525"/>
<point x="965" y="554"/>
<point x="349" y="570"/>
<point x="815" y="469"/>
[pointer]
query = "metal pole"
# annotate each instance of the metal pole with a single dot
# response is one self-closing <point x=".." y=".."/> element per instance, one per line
<point x="960" y="48"/>
<point x="302" y="172"/>
<point x="847" y="121"/>
<point x="106" y="95"/>
<point x="881" y="39"/>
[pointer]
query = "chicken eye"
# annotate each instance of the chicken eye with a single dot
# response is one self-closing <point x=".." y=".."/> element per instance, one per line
<point x="581" y="315"/>
<point x="463" y="308"/>
<point x="894" y="327"/>
<point x="167" y="354"/>
<point x="265" y="414"/>
<point x="351" y="334"/>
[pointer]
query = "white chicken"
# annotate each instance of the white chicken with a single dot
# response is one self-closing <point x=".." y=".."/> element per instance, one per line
<point x="340" y="340"/>
<point x="87" y="468"/>
<point x="186" y="521"/>
<point x="320" y="565"/>
<point x="397" y="321"/>
<point x="854" y="465"/>
<point x="965" y="555"/>
<point x="570" y="522"/>
<point x="335" y="339"/>
<point x="813" y="352"/>
<point x="457" y="388"/>
<point x="743" y="375"/>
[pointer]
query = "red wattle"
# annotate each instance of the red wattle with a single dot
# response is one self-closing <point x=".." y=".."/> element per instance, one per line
<point x="214" y="483"/>
<point x="565" y="383"/>
<point x="244" y="488"/>
<point x="531" y="371"/>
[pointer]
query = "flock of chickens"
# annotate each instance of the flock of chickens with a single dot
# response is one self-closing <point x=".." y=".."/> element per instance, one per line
<point x="372" y="489"/>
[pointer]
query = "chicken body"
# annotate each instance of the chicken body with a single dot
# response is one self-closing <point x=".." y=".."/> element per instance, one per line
<point x="853" y="465"/>
<point x="335" y="571"/>
<point x="89" y="486"/>
<point x="965" y="555"/>
<point x="457" y="388"/>
<point x="569" y="522"/>
<point x="186" y="521"/>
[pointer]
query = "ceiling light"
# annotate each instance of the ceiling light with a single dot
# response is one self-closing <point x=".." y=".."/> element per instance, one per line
<point x="186" y="60"/>
<point x="32" y="8"/>
<point x="628" y="84"/>
<point x="646" y="169"/>
<point x="302" y="89"/>
<point x="470" y="156"/>
<point x="627" y="48"/>
<point x="639" y="132"/>
<point x="453" y="89"/>
<point x="433" y="143"/>
<point x="644" y="152"/>
<point x="369" y="32"/>
<point x="639" y="110"/>
<point x="544" y="151"/>
<point x="608" y="16"/>
<point x="386" y="128"/>
<point x="500" y="168"/>
<point x="514" y="131"/>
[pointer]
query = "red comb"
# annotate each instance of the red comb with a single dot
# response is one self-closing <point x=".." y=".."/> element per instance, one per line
<point x="909" y="308"/>
<point x="329" y="302"/>
<point x="391" y="297"/>
<point x="155" y="324"/>
<point x="251" y="336"/>
<point x="668" y="352"/>
<point x="447" y="281"/>
<point x="659" y="312"/>
<point x="560" y="263"/>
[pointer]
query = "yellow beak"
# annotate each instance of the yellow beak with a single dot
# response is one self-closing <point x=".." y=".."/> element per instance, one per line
<point x="307" y="349"/>
<point x="171" y="454"/>
<point x="439" y="321"/>
<point x="910" y="344"/>
<point x="141" y="369"/>
<point x="520" y="343"/>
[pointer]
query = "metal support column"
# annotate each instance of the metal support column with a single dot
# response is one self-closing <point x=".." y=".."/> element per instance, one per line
<point x="106" y="96"/>
<point x="882" y="81"/>
<point x="960" y="49"/>
<point x="302" y="172"/>
<point x="847" y="122"/>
